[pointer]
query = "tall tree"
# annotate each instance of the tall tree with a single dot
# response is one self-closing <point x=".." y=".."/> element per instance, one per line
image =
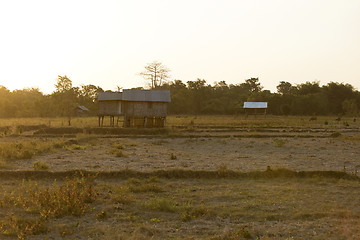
<point x="66" y="97"/>
<point x="309" y="88"/>
<point x="88" y="95"/>
<point x="156" y="73"/>
<point x="252" y="84"/>
<point x="285" y="88"/>
<point x="63" y="84"/>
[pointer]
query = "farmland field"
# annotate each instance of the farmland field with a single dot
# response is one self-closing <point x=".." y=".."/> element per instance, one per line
<point x="203" y="177"/>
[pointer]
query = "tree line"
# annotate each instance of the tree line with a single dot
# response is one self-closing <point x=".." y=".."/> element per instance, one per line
<point x="192" y="97"/>
<point x="31" y="102"/>
<point x="198" y="97"/>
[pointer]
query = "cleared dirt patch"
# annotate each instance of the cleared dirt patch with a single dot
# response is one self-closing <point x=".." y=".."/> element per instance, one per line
<point x="203" y="153"/>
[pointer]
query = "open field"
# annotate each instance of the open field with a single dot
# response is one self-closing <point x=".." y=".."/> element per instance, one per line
<point x="158" y="208"/>
<point x="204" y="177"/>
<point x="199" y="121"/>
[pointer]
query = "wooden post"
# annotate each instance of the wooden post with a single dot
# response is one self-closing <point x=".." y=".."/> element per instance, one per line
<point x="145" y="122"/>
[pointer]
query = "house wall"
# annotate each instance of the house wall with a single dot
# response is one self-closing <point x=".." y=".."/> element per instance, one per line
<point x="145" y="109"/>
<point x="110" y="108"/>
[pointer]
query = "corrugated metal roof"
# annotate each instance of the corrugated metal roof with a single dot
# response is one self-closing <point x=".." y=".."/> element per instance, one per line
<point x="109" y="96"/>
<point x="83" y="108"/>
<point x="138" y="95"/>
<point x="255" y="104"/>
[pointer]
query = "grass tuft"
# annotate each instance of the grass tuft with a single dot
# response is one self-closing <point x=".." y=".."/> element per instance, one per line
<point x="144" y="185"/>
<point x="279" y="142"/>
<point x="39" y="166"/>
<point x="117" y="150"/>
<point x="161" y="204"/>
<point x="122" y="194"/>
<point x="335" y="134"/>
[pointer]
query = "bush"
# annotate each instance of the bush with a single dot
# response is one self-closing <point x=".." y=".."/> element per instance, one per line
<point x="38" y="166"/>
<point x="71" y="198"/>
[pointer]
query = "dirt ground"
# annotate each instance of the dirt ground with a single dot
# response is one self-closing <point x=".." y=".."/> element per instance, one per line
<point x="275" y="209"/>
<point x="206" y="153"/>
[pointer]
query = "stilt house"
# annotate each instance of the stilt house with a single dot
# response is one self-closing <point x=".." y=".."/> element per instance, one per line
<point x="134" y="107"/>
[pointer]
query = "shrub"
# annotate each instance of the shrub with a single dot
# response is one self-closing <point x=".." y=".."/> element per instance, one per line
<point x="71" y="198"/>
<point x="28" y="149"/>
<point x="39" y="165"/>
<point x="20" y="227"/>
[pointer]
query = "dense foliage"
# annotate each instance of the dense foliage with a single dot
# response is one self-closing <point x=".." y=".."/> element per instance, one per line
<point x="61" y="103"/>
<point x="198" y="97"/>
<point x="194" y="97"/>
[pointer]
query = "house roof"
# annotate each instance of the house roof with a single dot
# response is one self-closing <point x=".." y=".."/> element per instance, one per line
<point x="255" y="104"/>
<point x="138" y="95"/>
<point x="109" y="96"/>
<point x="83" y="108"/>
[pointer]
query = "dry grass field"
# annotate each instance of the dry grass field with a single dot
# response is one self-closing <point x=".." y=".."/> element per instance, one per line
<point x="204" y="177"/>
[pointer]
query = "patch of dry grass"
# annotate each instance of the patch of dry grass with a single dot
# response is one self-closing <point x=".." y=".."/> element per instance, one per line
<point x="40" y="166"/>
<point x="202" y="209"/>
<point x="27" y="149"/>
<point x="192" y="122"/>
<point x="35" y="205"/>
<point x="252" y="121"/>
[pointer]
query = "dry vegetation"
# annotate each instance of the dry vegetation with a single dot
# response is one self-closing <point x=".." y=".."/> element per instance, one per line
<point x="218" y="177"/>
<point x="158" y="208"/>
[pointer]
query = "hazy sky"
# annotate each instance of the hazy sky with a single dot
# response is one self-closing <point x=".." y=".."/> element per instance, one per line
<point x="107" y="43"/>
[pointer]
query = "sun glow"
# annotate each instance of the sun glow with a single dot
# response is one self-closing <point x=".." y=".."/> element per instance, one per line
<point x="107" y="43"/>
